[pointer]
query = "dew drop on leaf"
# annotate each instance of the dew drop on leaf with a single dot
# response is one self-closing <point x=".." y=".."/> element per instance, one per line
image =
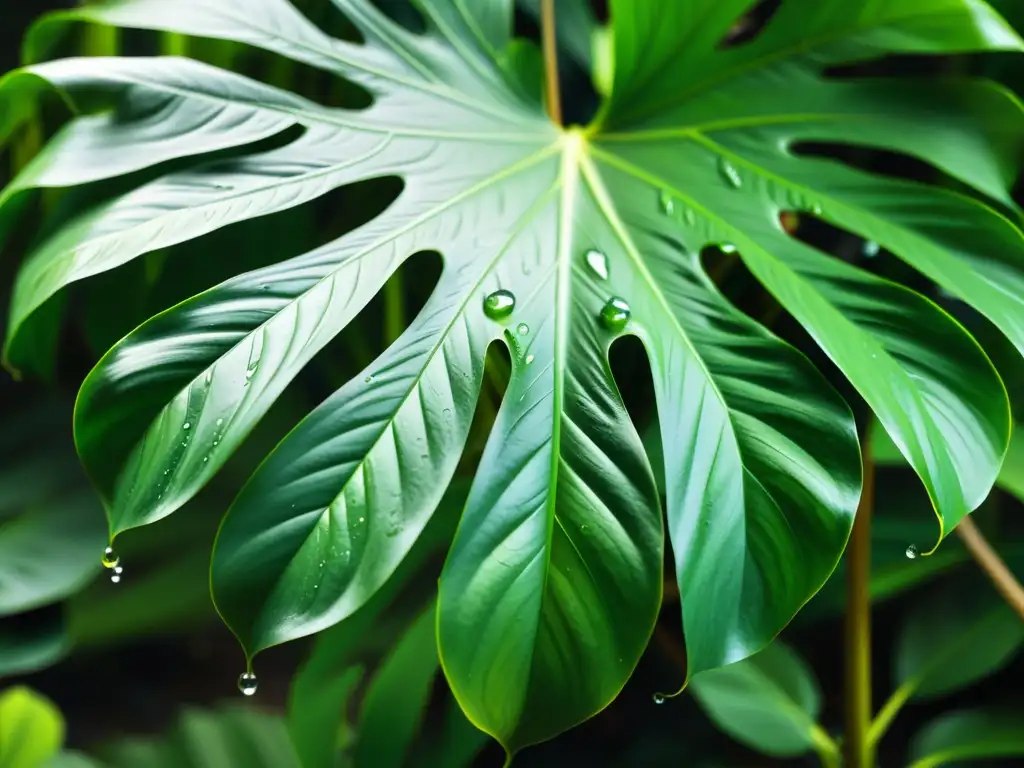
<point x="529" y="359"/>
<point x="615" y="314"/>
<point x="110" y="558"/>
<point x="727" y="248"/>
<point x="522" y="329"/>
<point x="912" y="552"/>
<point x="597" y="262"/>
<point x="689" y="217"/>
<point x="870" y="249"/>
<point x="247" y="683"/>
<point x="499" y="304"/>
<point x="220" y="422"/>
<point x="186" y="425"/>
<point x="730" y="174"/>
<point x="658" y="698"/>
<point x="667" y="202"/>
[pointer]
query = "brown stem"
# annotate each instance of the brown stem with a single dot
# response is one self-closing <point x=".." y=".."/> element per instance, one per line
<point x="859" y="751"/>
<point x="993" y="566"/>
<point x="547" y="24"/>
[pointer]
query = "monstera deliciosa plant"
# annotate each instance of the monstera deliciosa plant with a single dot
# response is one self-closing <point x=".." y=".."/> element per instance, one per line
<point x="556" y="241"/>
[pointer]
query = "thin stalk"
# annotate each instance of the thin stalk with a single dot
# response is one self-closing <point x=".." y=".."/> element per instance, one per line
<point x="992" y="564"/>
<point x="550" y="43"/>
<point x="859" y="750"/>
<point x="394" y="308"/>
<point x="889" y="710"/>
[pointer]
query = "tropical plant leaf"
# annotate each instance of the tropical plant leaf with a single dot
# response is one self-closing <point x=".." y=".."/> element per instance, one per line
<point x="31" y="729"/>
<point x="30" y="643"/>
<point x="969" y="735"/>
<point x="770" y="702"/>
<point x="397" y="696"/>
<point x="553" y="582"/>
<point x="954" y="639"/>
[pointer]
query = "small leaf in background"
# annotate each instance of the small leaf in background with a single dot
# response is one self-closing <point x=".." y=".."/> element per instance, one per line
<point x="31" y="729"/>
<point x="229" y="738"/>
<point x="769" y="702"/>
<point x="32" y="641"/>
<point x="955" y="638"/>
<point x="969" y="735"/>
<point x="397" y="697"/>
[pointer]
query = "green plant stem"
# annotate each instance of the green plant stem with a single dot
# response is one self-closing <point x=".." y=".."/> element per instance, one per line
<point x="889" y="710"/>
<point x="859" y="750"/>
<point x="547" y="24"/>
<point x="394" y="308"/>
<point x="826" y="748"/>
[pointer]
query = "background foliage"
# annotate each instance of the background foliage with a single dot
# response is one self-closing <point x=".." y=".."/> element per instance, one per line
<point x="151" y="652"/>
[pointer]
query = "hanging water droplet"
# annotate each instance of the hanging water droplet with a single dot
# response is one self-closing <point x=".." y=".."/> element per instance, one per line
<point x="247" y="683"/>
<point x="499" y="304"/>
<point x="658" y="698"/>
<point x="186" y="425"/>
<point x="730" y="174"/>
<point x="615" y="314"/>
<point x="689" y="217"/>
<point x="597" y="262"/>
<point x="529" y="359"/>
<point x="115" y="577"/>
<point x="667" y="202"/>
<point x="871" y="249"/>
<point x="110" y="558"/>
<point x="912" y="552"/>
<point x="522" y="329"/>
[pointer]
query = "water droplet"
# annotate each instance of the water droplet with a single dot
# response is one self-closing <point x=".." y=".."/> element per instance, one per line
<point x="362" y="519"/>
<point x="690" y="217"/>
<point x="522" y="329"/>
<point x="205" y="459"/>
<point x="110" y="558"/>
<point x="816" y="209"/>
<point x="368" y="379"/>
<point x="658" y="698"/>
<point x="115" y="577"/>
<point x="529" y="359"/>
<point x="871" y="249"/>
<point x="186" y="425"/>
<point x="584" y="528"/>
<point x="912" y="552"/>
<point x="730" y="174"/>
<point x="667" y="202"/>
<point x="251" y="370"/>
<point x="597" y="262"/>
<point x="499" y="304"/>
<point x="247" y="683"/>
<point x="220" y="422"/>
<point x="615" y="314"/>
<point x="727" y="248"/>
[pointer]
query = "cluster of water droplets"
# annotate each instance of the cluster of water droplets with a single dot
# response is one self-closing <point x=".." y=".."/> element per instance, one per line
<point x="112" y="562"/>
<point x="614" y="315"/>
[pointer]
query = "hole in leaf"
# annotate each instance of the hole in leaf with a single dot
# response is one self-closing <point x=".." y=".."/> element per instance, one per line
<point x="497" y="374"/>
<point x="751" y="24"/>
<point x="631" y="370"/>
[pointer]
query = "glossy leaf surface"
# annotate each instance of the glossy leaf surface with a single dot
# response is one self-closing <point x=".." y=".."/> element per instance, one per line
<point x="555" y="242"/>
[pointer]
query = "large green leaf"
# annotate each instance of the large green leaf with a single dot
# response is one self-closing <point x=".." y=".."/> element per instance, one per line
<point x="31" y="729"/>
<point x="969" y="735"/>
<point x="553" y="582"/>
<point x="770" y="702"/>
